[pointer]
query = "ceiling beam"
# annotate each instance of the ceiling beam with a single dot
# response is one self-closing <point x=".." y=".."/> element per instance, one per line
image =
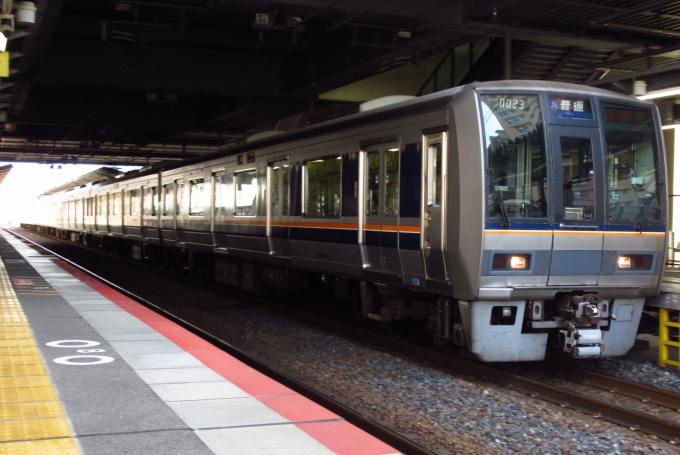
<point x="634" y="74"/>
<point x="632" y="58"/>
<point x="565" y="60"/>
<point x="633" y="11"/>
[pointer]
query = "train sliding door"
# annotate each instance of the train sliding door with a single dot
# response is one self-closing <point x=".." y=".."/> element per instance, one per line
<point x="278" y="183"/>
<point x="381" y="207"/>
<point x="579" y="210"/>
<point x="435" y="206"/>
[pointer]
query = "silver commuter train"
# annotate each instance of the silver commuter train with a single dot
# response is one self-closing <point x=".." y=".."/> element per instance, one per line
<point x="516" y="217"/>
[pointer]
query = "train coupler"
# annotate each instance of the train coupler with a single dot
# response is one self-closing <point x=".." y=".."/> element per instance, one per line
<point x="582" y="343"/>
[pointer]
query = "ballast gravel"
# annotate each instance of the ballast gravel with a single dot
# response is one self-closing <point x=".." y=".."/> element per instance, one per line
<point x="447" y="412"/>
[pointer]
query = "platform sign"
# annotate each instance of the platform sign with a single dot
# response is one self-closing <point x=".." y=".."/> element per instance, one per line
<point x="4" y="64"/>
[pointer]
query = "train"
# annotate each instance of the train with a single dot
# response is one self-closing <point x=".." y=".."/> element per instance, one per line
<point x="513" y="219"/>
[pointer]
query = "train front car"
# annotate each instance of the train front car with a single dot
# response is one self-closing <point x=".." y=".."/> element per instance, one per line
<point x="573" y="220"/>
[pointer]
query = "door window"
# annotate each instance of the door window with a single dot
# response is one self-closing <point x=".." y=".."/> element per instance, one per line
<point x="578" y="177"/>
<point x="197" y="198"/>
<point x="246" y="193"/>
<point x="373" y="183"/>
<point x="392" y="181"/>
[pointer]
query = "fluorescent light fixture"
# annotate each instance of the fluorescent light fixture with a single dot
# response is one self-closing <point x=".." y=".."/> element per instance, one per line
<point x="3" y="42"/>
<point x="670" y="127"/>
<point x="665" y="93"/>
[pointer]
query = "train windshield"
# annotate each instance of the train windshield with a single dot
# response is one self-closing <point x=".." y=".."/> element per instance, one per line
<point x="514" y="141"/>
<point x="632" y="164"/>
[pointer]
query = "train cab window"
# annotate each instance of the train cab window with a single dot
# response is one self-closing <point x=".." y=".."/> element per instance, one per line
<point x="323" y="187"/>
<point x="246" y="193"/>
<point x="632" y="164"/>
<point x="514" y="140"/>
<point x="168" y="200"/>
<point x="134" y="202"/>
<point x="197" y="193"/>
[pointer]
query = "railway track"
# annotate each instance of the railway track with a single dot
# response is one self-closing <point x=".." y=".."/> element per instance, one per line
<point x="596" y="394"/>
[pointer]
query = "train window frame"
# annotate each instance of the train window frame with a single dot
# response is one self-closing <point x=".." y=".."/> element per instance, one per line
<point x="167" y="202"/>
<point x="134" y="201"/>
<point x="102" y="205"/>
<point x="306" y="188"/>
<point x="658" y="212"/>
<point x="492" y="190"/>
<point x="197" y="211"/>
<point x="239" y="193"/>
<point x="179" y="196"/>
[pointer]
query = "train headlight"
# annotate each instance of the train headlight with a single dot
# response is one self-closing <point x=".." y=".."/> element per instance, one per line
<point x="514" y="262"/>
<point x="635" y="262"/>
<point x="518" y="262"/>
<point x="624" y="262"/>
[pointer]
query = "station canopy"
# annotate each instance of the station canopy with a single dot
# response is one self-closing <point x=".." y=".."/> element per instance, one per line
<point x="139" y="82"/>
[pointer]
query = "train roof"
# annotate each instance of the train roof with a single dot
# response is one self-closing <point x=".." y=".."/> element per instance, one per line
<point x="437" y="100"/>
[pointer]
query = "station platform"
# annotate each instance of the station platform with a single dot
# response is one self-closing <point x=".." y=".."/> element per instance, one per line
<point x="86" y="370"/>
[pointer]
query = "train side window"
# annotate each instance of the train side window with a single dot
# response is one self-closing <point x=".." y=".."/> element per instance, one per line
<point x="150" y="194"/>
<point x="197" y="197"/>
<point x="323" y="185"/>
<point x="274" y="188"/>
<point x="134" y="202"/>
<point x="373" y="182"/>
<point x="434" y="169"/>
<point x="179" y="205"/>
<point x="116" y="204"/>
<point x="221" y="197"/>
<point x="168" y="200"/>
<point x="102" y="205"/>
<point x="392" y="182"/>
<point x="246" y="193"/>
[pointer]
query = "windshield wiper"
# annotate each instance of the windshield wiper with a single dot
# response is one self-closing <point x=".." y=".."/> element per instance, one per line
<point x="499" y="200"/>
<point x="647" y="209"/>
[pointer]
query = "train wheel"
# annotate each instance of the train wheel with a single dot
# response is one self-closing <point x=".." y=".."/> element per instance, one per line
<point x="397" y="329"/>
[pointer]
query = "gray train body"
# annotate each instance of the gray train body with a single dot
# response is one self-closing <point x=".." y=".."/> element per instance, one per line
<point x="514" y="217"/>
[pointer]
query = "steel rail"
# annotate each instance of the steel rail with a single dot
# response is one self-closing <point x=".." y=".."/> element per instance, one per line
<point x="381" y="432"/>
<point x="613" y="384"/>
<point x="628" y="418"/>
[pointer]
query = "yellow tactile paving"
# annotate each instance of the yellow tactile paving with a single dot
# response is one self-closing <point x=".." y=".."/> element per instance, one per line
<point x="63" y="446"/>
<point x="34" y="410"/>
<point x="32" y="420"/>
<point x="8" y="382"/>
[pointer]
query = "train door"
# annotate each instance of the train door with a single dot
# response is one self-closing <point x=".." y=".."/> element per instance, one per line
<point x="579" y="207"/>
<point x="436" y="146"/>
<point x="278" y="206"/>
<point x="220" y="209"/>
<point x="381" y="207"/>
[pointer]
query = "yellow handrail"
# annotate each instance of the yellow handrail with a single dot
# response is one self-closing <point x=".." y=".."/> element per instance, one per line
<point x="665" y="343"/>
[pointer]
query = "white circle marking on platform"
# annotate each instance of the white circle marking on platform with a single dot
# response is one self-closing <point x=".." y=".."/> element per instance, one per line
<point x="99" y="359"/>
<point x="81" y="344"/>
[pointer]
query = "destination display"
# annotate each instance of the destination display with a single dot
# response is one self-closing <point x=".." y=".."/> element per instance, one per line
<point x="620" y="115"/>
<point x="570" y="107"/>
